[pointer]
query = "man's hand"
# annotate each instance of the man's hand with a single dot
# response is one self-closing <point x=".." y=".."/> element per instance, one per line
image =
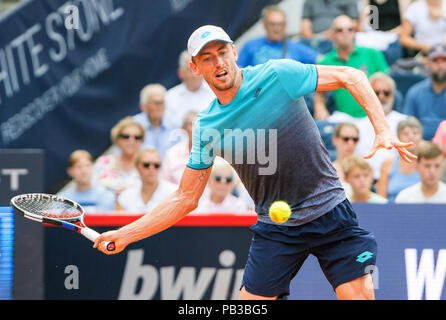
<point x="388" y="141"/>
<point x="109" y="237"/>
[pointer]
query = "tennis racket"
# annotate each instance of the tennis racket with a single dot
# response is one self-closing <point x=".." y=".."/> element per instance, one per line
<point x="55" y="210"/>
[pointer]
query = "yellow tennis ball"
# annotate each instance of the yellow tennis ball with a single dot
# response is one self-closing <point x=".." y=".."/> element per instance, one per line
<point x="279" y="211"/>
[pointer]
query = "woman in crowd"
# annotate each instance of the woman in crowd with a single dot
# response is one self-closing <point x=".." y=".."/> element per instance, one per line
<point x="397" y="174"/>
<point x="117" y="170"/>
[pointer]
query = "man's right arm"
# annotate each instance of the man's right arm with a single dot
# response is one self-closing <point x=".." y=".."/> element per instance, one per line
<point x="166" y="214"/>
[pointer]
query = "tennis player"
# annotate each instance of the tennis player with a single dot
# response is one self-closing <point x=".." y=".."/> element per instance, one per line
<point x="266" y="100"/>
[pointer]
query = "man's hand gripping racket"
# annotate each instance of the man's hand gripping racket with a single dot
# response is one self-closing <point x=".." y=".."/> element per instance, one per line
<point x="55" y="210"/>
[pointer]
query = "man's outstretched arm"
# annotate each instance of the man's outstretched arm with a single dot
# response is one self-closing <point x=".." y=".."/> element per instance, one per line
<point x="167" y="213"/>
<point x="356" y="82"/>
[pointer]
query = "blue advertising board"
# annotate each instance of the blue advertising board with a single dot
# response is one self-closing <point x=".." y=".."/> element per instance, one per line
<point x="207" y="262"/>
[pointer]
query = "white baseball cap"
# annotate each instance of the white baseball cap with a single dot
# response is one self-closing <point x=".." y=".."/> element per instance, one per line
<point x="203" y="35"/>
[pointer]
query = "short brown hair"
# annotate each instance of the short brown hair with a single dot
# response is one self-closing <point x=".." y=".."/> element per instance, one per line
<point x="76" y="155"/>
<point x="428" y="150"/>
<point x="348" y="164"/>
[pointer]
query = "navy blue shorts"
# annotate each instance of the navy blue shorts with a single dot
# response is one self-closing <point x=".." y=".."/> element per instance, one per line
<point x="343" y="249"/>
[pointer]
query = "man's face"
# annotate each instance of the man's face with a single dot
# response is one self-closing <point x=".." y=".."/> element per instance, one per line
<point x="81" y="171"/>
<point x="148" y="166"/>
<point x="385" y="94"/>
<point x="216" y="62"/>
<point x="347" y="141"/>
<point x="437" y="68"/>
<point x="155" y="106"/>
<point x="360" y="180"/>
<point x="343" y="32"/>
<point x="275" y="26"/>
<point x="221" y="182"/>
<point x="430" y="170"/>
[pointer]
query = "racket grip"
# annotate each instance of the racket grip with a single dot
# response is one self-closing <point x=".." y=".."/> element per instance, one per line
<point x="92" y="235"/>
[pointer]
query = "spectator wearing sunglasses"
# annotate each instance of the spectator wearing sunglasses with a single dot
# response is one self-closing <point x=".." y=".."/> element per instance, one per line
<point x="218" y="197"/>
<point x="385" y="89"/>
<point x="160" y="132"/>
<point x="117" y="170"/>
<point x="347" y="53"/>
<point x="397" y="174"/>
<point x="345" y="140"/>
<point x="151" y="190"/>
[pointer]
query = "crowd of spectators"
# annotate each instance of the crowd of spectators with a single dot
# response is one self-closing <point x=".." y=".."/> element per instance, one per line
<point x="380" y="37"/>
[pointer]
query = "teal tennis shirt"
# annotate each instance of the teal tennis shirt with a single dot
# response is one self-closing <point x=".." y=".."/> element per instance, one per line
<point x="268" y="136"/>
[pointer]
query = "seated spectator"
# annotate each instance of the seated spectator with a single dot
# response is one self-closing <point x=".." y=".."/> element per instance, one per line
<point x="151" y="191"/>
<point x="430" y="164"/>
<point x="117" y="171"/>
<point x="91" y="197"/>
<point x="390" y="14"/>
<point x="385" y="88"/>
<point x="397" y="174"/>
<point x="359" y="175"/>
<point x="160" y="132"/>
<point x="177" y="156"/>
<point x="440" y="137"/>
<point x="381" y="24"/>
<point x="218" y="198"/>
<point x="318" y="17"/>
<point x="347" y="53"/>
<point x="192" y="94"/>
<point x="424" y="25"/>
<point x="426" y="100"/>
<point x="275" y="45"/>
<point x="345" y="139"/>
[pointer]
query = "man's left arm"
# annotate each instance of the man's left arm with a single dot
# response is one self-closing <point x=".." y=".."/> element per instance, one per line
<point x="356" y="82"/>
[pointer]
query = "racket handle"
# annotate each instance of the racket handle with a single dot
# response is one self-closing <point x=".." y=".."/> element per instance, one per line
<point x="92" y="235"/>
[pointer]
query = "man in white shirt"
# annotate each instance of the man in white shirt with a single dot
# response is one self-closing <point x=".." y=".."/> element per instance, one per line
<point x="385" y="88"/>
<point x="152" y="190"/>
<point x="161" y="133"/>
<point x="430" y="189"/>
<point x="192" y="94"/>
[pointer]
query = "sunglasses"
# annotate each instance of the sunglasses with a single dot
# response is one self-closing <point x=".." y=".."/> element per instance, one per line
<point x="354" y="139"/>
<point x="220" y="178"/>
<point x="339" y="30"/>
<point x="147" y="165"/>
<point x="385" y="92"/>
<point x="128" y="136"/>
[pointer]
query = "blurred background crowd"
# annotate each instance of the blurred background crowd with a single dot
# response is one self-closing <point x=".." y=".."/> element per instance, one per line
<point x="399" y="44"/>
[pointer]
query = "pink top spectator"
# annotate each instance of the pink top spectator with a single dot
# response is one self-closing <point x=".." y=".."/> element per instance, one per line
<point x="440" y="137"/>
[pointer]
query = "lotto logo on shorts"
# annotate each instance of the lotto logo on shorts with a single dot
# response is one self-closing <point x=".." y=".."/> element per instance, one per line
<point x="363" y="257"/>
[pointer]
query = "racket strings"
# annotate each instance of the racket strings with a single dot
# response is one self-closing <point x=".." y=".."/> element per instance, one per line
<point x="49" y="208"/>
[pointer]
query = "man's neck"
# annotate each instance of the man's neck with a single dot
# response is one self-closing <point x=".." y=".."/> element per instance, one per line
<point x="361" y="197"/>
<point x="438" y="86"/>
<point x="429" y="191"/>
<point x="81" y="187"/>
<point x="344" y="52"/>
<point x="226" y="96"/>
<point x="155" y="122"/>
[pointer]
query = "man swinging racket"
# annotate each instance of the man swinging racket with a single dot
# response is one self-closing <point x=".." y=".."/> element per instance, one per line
<point x="266" y="102"/>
